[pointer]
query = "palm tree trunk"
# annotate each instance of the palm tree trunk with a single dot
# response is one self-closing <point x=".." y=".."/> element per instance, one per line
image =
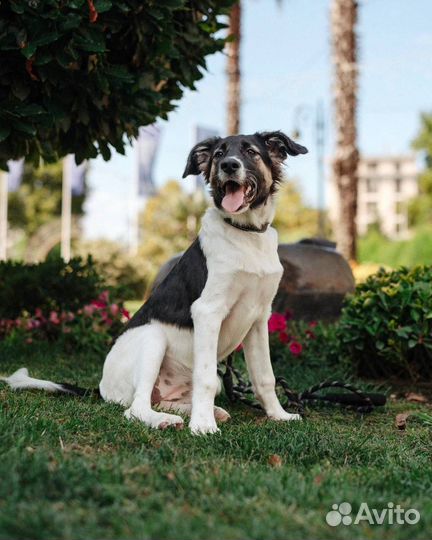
<point x="233" y="71"/>
<point x="345" y="163"/>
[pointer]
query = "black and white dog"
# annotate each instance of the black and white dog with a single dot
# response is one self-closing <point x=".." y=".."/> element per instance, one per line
<point x="217" y="296"/>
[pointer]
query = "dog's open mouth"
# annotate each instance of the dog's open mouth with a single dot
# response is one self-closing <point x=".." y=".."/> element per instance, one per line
<point x="235" y="196"/>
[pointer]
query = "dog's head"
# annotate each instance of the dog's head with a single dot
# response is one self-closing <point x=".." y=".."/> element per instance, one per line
<point x="242" y="170"/>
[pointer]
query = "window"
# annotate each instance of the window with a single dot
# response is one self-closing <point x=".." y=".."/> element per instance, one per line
<point x="372" y="209"/>
<point x="398" y="185"/>
<point x="371" y="185"/>
<point x="399" y="208"/>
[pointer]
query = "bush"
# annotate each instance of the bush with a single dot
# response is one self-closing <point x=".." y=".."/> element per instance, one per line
<point x="386" y="326"/>
<point x="77" y="76"/>
<point x="91" y="327"/>
<point x="52" y="285"/>
<point x="128" y="274"/>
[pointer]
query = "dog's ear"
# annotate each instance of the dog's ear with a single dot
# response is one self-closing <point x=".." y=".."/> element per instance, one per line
<point x="280" y="145"/>
<point x="199" y="156"/>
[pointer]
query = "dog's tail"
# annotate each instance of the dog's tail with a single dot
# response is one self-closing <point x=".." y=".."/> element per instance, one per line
<point x="21" y="380"/>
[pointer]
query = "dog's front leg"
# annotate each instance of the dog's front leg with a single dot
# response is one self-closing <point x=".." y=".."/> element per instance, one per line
<point x="257" y="354"/>
<point x="207" y="321"/>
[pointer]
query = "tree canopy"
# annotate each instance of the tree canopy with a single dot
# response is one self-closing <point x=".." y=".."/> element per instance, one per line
<point x="82" y="76"/>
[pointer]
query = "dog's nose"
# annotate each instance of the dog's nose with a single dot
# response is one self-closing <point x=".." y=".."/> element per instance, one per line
<point x="230" y="165"/>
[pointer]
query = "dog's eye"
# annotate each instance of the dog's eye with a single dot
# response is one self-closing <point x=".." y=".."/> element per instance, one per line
<point x="251" y="152"/>
<point x="218" y="154"/>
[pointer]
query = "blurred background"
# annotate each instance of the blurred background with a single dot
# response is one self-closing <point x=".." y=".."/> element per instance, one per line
<point x="362" y="106"/>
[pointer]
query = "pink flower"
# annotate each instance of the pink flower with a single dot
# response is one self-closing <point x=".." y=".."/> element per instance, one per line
<point x="89" y="310"/>
<point x="284" y="337"/>
<point x="114" y="309"/>
<point x="29" y="340"/>
<point x="295" y="348"/>
<point x="239" y="348"/>
<point x="39" y="314"/>
<point x="54" y="318"/>
<point x="276" y="323"/>
<point x="125" y="313"/>
<point x="313" y="324"/>
<point x="104" y="297"/>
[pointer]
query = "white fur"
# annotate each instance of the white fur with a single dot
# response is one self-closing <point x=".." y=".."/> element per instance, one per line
<point x="243" y="275"/>
<point x="21" y="379"/>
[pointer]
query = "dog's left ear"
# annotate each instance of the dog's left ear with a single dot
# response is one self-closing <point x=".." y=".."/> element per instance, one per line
<point x="280" y="145"/>
<point x="199" y="156"/>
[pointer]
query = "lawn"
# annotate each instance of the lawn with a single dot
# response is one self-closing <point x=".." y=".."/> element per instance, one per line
<point x="77" y="469"/>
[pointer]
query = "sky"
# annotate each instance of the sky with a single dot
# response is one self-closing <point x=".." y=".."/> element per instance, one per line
<point x="286" y="71"/>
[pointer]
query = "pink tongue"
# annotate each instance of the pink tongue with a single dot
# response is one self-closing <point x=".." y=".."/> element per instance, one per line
<point x="233" y="200"/>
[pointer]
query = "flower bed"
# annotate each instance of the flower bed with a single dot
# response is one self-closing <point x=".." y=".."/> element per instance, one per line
<point x="93" y="325"/>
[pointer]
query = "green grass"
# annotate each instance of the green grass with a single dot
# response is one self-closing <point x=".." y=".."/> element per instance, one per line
<point x="77" y="469"/>
<point x="375" y="248"/>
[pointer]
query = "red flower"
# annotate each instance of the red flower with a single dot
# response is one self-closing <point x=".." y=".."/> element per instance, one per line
<point x="289" y="314"/>
<point x="125" y="313"/>
<point x="99" y="304"/>
<point x="239" y="348"/>
<point x="313" y="324"/>
<point x="276" y="323"/>
<point x="284" y="337"/>
<point x="295" y="348"/>
<point x="310" y="334"/>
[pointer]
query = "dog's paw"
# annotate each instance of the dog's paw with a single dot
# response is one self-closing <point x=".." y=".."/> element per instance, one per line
<point x="154" y="419"/>
<point x="203" y="427"/>
<point x="284" y="416"/>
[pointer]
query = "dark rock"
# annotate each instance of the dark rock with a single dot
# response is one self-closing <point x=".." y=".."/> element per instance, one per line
<point x="315" y="281"/>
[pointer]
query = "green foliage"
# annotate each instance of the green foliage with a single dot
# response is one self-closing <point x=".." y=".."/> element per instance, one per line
<point x="119" y="268"/>
<point x="376" y="248"/>
<point x="70" y="83"/>
<point x="49" y="285"/>
<point x="420" y="208"/>
<point x="386" y="326"/>
<point x="38" y="199"/>
<point x="169" y="224"/>
<point x="293" y="220"/>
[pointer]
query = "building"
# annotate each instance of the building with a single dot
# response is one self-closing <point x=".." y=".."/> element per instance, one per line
<point x="385" y="186"/>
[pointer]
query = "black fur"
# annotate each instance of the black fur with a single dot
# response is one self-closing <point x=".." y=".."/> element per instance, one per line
<point x="170" y="302"/>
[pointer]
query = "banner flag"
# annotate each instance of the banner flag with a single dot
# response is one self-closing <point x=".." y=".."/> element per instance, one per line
<point x="147" y="146"/>
<point x="15" y="174"/>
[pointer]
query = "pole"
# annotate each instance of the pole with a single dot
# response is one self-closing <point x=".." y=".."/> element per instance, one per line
<point x="320" y="167"/>
<point x="66" y="219"/>
<point x="3" y="214"/>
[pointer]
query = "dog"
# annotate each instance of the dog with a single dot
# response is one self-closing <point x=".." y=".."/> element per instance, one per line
<point x="218" y="295"/>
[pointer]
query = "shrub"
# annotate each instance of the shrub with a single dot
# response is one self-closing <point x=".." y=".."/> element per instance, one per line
<point x="386" y="326"/>
<point x="119" y="269"/>
<point x="91" y="327"/>
<point x="52" y="285"/>
<point x="77" y="76"/>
